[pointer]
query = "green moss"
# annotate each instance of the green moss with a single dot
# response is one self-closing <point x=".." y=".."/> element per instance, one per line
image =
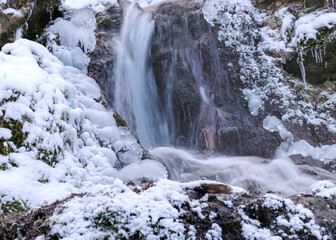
<point x="13" y="98"/>
<point x="6" y="166"/>
<point x="5" y="147"/>
<point x="104" y="21"/>
<point x="65" y="117"/>
<point x="48" y="157"/>
<point x="323" y="36"/>
<point x="111" y="221"/>
<point x="18" y="136"/>
<point x="11" y="207"/>
<point x="17" y="139"/>
<point x="102" y="100"/>
<point x="119" y="120"/>
<point x="115" y="223"/>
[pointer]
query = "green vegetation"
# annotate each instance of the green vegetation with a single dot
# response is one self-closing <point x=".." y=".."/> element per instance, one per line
<point x="8" y="207"/>
<point x="116" y="224"/>
<point x="48" y="157"/>
<point x="18" y="136"/>
<point x="102" y="100"/>
<point x="105" y="21"/>
<point x="324" y="36"/>
<point x="119" y="120"/>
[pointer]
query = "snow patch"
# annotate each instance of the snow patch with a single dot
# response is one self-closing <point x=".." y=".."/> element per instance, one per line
<point x="324" y="189"/>
<point x="61" y="115"/>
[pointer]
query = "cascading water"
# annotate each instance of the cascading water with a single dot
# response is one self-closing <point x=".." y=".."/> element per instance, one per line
<point x="253" y="173"/>
<point x="136" y="97"/>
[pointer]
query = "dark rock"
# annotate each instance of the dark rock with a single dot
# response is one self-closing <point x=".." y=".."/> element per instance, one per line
<point x="5" y="28"/>
<point x="316" y="72"/>
<point x="35" y="17"/>
<point x="44" y="11"/>
<point x="323" y="209"/>
<point x="188" y="59"/>
<point x="229" y="211"/>
<point x="32" y="224"/>
<point x="101" y="65"/>
<point x="313" y="166"/>
<point x="213" y="189"/>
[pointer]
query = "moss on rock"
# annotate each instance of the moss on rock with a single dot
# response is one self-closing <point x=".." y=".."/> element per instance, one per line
<point x="10" y="206"/>
<point x="121" y="122"/>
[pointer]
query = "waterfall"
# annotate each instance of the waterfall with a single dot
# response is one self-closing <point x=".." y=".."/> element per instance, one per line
<point x="302" y="68"/>
<point x="188" y="100"/>
<point x="136" y="96"/>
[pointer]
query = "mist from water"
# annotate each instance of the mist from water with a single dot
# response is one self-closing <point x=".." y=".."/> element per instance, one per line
<point x="252" y="173"/>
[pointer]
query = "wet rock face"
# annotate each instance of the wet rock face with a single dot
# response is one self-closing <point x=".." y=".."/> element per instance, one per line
<point x="201" y="97"/>
<point x="102" y="58"/>
<point x="200" y="94"/>
<point x="44" y="11"/>
<point x="5" y="27"/>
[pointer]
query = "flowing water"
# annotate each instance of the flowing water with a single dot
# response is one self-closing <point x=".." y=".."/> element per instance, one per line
<point x="252" y="173"/>
<point x="136" y="96"/>
<point x="136" y="99"/>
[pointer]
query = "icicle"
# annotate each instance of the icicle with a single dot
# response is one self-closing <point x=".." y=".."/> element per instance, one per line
<point x="302" y="68"/>
<point x="19" y="31"/>
<point x="320" y="54"/>
<point x="330" y="4"/>
<point x="317" y="54"/>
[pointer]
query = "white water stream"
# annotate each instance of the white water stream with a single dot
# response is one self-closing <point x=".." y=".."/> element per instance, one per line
<point x="136" y="97"/>
<point x="253" y="173"/>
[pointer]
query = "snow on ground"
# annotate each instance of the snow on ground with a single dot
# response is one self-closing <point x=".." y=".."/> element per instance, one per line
<point x="324" y="189"/>
<point x="157" y="212"/>
<point x="69" y="141"/>
<point x="100" y="5"/>
<point x="290" y="220"/>
<point x="96" y="5"/>
<point x="153" y="213"/>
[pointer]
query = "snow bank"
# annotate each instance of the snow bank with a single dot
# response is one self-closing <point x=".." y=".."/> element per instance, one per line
<point x="157" y="212"/>
<point x="325" y="153"/>
<point x="96" y="5"/>
<point x="68" y="140"/>
<point x="100" y="5"/>
<point x="153" y="213"/>
<point x="307" y="27"/>
<point x="324" y="189"/>
<point x="288" y="222"/>
<point x="72" y="37"/>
